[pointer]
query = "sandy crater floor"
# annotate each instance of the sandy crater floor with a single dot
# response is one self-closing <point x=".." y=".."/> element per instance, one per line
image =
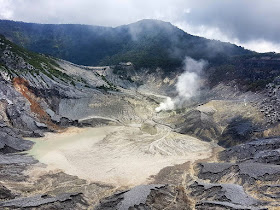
<point x="118" y="155"/>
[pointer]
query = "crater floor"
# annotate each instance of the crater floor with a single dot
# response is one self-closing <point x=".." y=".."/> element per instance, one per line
<point x="120" y="155"/>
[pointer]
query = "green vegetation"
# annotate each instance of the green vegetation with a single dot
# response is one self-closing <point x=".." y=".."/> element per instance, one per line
<point x="39" y="62"/>
<point x="109" y="85"/>
<point x="250" y="72"/>
<point x="258" y="84"/>
<point x="147" y="44"/>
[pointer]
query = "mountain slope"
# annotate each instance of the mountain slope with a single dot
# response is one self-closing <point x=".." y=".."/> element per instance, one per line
<point x="24" y="76"/>
<point x="147" y="43"/>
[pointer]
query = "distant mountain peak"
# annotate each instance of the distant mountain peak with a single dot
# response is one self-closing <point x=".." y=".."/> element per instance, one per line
<point x="146" y="43"/>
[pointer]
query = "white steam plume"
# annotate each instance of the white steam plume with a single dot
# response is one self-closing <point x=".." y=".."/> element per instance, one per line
<point x="168" y="104"/>
<point x="187" y="85"/>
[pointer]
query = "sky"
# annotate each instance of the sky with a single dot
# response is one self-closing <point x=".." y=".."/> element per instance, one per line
<point x="253" y="24"/>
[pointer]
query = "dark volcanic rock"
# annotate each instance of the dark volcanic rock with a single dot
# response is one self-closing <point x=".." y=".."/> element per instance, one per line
<point x="218" y="205"/>
<point x="268" y="156"/>
<point x="13" y="172"/>
<point x="62" y="201"/>
<point x="239" y="130"/>
<point x="21" y="159"/>
<point x="246" y="172"/>
<point x="260" y="171"/>
<point x="12" y="166"/>
<point x="230" y="193"/>
<point x="128" y="199"/>
<point x="271" y="191"/>
<point x="5" y="193"/>
<point x="270" y="105"/>
<point x="261" y="150"/>
<point x="11" y="142"/>
<point x="199" y="124"/>
<point x="252" y="165"/>
<point x="147" y="197"/>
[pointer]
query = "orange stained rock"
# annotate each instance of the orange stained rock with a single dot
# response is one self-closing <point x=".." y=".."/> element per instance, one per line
<point x="21" y="85"/>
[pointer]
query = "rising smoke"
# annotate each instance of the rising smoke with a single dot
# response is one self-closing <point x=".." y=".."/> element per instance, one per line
<point x="187" y="86"/>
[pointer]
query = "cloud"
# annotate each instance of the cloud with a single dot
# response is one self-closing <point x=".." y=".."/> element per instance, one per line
<point x="262" y="46"/>
<point x="252" y="23"/>
<point x="96" y="12"/>
<point x="259" y="44"/>
<point x="5" y="10"/>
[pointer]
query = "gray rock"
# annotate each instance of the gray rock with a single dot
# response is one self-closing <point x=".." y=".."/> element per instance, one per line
<point x="267" y="156"/>
<point x="261" y="150"/>
<point x="238" y="130"/>
<point x="127" y="199"/>
<point x="22" y="159"/>
<point x="5" y="193"/>
<point x="38" y="200"/>
<point x="215" y="168"/>
<point x="11" y="142"/>
<point x="271" y="191"/>
<point x="218" y="205"/>
<point x="259" y="170"/>
<point x="18" y="108"/>
<point x="40" y="125"/>
<point x="199" y="124"/>
<point x="247" y="172"/>
<point x="54" y="117"/>
<point x="232" y="194"/>
<point x="13" y="172"/>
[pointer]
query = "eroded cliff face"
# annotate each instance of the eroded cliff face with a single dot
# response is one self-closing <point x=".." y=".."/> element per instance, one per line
<point x="39" y="94"/>
<point x="22" y="86"/>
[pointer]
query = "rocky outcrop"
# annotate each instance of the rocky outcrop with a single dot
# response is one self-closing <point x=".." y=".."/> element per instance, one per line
<point x="270" y="105"/>
<point x="10" y="141"/>
<point x="238" y="130"/>
<point x="62" y="201"/>
<point x="261" y="151"/>
<point x="223" y="195"/>
<point x="5" y="193"/>
<point x="128" y="199"/>
<point x="248" y="173"/>
<point x="217" y="205"/>
<point x="17" y="110"/>
<point x="12" y="166"/>
<point x="199" y="124"/>
<point x="147" y="197"/>
<point x="252" y="167"/>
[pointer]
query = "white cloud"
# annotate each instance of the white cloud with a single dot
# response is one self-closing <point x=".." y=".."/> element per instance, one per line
<point x="203" y="30"/>
<point x="262" y="46"/>
<point x="258" y="45"/>
<point x="5" y="9"/>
